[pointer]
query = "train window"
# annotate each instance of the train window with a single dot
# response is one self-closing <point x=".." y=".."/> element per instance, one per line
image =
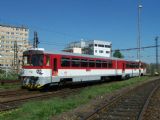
<point x="132" y="65"/>
<point x="26" y="60"/>
<point x="84" y="63"/>
<point x="75" y="62"/>
<point x="110" y="64"/>
<point x="127" y="65"/>
<point x="55" y="64"/>
<point x="98" y="63"/>
<point x="91" y="63"/>
<point x="142" y="66"/>
<point x="104" y="64"/>
<point x="135" y="65"/>
<point x="47" y="60"/>
<point x="65" y="62"/>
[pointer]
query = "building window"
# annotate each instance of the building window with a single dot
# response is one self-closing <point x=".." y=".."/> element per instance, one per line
<point x="107" y="51"/>
<point x="2" y="37"/>
<point x="100" y="45"/>
<point x="95" y="45"/>
<point x="101" y="51"/>
<point x="107" y="46"/>
<point x="95" y="51"/>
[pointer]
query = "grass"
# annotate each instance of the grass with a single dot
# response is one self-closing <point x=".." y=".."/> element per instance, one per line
<point x="43" y="110"/>
<point x="11" y="75"/>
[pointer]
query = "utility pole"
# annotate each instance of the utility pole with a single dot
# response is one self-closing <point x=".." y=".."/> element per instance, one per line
<point x="36" y="41"/>
<point x="139" y="38"/>
<point x="157" y="67"/>
<point x="15" y="62"/>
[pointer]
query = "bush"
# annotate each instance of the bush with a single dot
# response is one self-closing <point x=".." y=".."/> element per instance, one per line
<point x="2" y="71"/>
<point x="9" y="75"/>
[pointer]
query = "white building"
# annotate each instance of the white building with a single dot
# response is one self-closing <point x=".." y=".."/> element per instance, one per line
<point x="92" y="47"/>
<point x="99" y="48"/>
<point x="73" y="50"/>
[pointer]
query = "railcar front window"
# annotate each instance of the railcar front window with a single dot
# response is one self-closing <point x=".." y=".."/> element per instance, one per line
<point x="26" y="61"/>
<point x="37" y="60"/>
<point x="33" y="60"/>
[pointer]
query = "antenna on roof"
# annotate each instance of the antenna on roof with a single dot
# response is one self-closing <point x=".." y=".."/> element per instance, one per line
<point x="36" y="41"/>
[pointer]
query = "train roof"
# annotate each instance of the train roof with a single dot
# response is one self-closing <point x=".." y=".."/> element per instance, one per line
<point x="78" y="54"/>
<point x="75" y="54"/>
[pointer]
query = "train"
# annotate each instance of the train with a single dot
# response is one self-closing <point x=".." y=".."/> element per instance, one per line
<point x="46" y="69"/>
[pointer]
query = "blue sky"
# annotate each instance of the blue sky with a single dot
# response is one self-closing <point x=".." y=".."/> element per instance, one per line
<point x="59" y="22"/>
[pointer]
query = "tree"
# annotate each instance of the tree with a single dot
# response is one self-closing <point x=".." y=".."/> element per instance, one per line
<point x="118" y="54"/>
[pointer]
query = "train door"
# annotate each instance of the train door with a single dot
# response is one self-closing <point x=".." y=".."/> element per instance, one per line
<point x="123" y="69"/>
<point x="55" y="68"/>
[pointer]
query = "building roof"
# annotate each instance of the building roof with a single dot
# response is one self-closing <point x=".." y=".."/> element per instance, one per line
<point x="13" y="26"/>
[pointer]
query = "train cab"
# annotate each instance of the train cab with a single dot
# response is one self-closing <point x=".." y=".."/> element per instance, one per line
<point x="36" y="70"/>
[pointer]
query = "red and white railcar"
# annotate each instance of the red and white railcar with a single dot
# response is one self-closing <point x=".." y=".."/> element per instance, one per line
<point x="41" y="68"/>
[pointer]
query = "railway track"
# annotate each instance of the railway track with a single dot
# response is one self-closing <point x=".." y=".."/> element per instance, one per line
<point x="2" y="82"/>
<point x="15" y="102"/>
<point x="14" y="93"/>
<point x="129" y="106"/>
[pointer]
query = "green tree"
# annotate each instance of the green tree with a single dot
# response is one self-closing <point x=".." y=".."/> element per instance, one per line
<point x="118" y="54"/>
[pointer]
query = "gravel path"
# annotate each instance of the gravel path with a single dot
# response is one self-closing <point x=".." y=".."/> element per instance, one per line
<point x="153" y="109"/>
